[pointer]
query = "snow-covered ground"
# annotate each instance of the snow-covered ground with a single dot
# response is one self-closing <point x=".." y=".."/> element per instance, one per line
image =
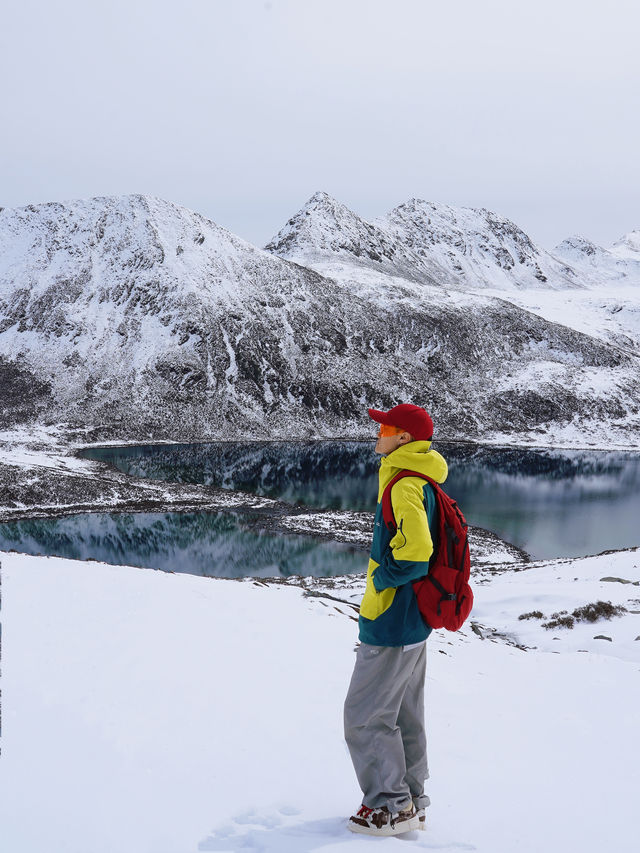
<point x="161" y="713"/>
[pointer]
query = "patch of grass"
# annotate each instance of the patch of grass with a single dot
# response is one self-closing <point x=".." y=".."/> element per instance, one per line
<point x="535" y="614"/>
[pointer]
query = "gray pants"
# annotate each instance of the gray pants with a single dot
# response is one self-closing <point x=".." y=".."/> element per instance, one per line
<point x="384" y="725"/>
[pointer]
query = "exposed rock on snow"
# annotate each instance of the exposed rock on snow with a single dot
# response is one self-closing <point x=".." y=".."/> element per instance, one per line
<point x="139" y="318"/>
<point x="578" y="248"/>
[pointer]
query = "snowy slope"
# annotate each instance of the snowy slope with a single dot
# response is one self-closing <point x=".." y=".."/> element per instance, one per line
<point x="610" y="313"/>
<point x="142" y="319"/>
<point x="144" y="711"/>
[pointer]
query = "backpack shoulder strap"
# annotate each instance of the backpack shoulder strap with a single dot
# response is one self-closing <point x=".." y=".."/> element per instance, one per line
<point x="387" y="508"/>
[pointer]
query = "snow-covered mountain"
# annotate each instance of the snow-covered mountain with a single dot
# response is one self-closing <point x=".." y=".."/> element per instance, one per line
<point x="481" y="248"/>
<point x="434" y="243"/>
<point x="628" y="246"/>
<point x="325" y="235"/>
<point x="134" y="305"/>
<point x="144" y="319"/>
<point x="619" y="263"/>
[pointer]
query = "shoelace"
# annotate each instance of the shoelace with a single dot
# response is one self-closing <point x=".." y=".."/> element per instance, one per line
<point x="364" y="812"/>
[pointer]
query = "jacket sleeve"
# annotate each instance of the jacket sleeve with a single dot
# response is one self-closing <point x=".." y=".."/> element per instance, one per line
<point x="407" y="557"/>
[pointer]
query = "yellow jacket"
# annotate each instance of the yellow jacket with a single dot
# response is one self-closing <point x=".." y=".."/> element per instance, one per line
<point x="389" y="614"/>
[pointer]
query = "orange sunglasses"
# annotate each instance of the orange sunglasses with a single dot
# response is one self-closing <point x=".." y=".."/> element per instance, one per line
<point x="386" y="431"/>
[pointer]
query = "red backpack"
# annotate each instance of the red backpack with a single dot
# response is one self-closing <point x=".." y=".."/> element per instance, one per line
<point x="444" y="596"/>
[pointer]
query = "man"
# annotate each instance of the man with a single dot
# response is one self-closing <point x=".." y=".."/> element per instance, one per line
<point x="384" y="708"/>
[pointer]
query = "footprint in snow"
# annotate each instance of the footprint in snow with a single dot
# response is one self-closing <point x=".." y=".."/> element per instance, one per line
<point x="253" y="818"/>
<point x="268" y="834"/>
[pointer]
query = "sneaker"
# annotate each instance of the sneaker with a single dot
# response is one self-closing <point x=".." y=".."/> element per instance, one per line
<point x="382" y="822"/>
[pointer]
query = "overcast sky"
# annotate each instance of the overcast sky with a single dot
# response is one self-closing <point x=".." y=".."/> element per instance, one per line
<point x="242" y="109"/>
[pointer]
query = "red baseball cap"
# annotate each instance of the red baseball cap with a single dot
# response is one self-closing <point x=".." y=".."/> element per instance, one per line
<point x="411" y="418"/>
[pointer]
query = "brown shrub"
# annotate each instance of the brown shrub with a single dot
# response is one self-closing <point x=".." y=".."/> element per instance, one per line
<point x="598" y="610"/>
<point x="535" y="614"/>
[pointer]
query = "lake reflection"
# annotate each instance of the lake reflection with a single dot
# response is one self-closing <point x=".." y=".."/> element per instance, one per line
<point x="549" y="502"/>
<point x="328" y="474"/>
<point x="209" y="544"/>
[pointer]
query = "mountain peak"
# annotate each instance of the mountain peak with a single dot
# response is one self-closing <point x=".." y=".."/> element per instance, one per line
<point x="322" y="198"/>
<point x="323" y="207"/>
<point x="466" y="216"/>
<point x="629" y="242"/>
<point x="577" y="247"/>
<point x="318" y="227"/>
<point x="414" y="203"/>
<point x="325" y="234"/>
<point x="479" y="246"/>
<point x="620" y="263"/>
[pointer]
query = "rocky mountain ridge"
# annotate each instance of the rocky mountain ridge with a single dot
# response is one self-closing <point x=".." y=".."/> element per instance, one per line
<point x="325" y="233"/>
<point x="456" y="247"/>
<point x="145" y="320"/>
<point x="478" y="246"/>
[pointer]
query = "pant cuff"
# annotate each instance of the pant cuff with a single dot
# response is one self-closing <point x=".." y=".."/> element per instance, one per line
<point x="421" y="801"/>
